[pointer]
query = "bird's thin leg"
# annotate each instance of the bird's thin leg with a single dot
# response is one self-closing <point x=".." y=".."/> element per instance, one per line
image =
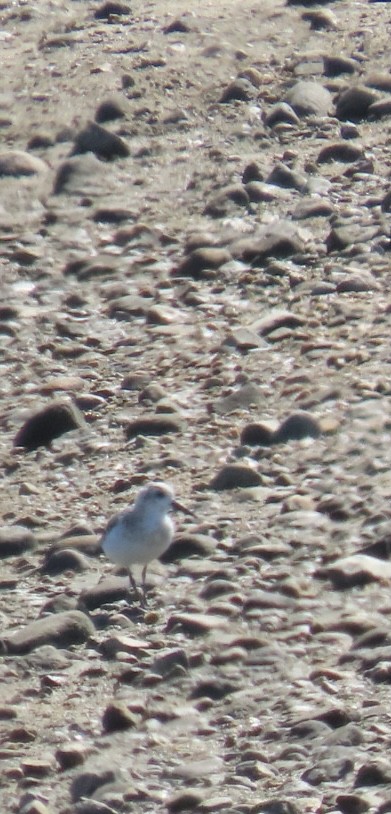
<point x="133" y="583"/>
<point x="143" y="585"/>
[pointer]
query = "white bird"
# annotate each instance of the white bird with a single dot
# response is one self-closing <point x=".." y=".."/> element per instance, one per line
<point x="143" y="532"/>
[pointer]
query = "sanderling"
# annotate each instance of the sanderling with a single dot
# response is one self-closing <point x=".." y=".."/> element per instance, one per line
<point x="143" y="532"/>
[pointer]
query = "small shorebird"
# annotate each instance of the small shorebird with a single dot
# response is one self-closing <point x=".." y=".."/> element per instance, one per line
<point x="143" y="532"/>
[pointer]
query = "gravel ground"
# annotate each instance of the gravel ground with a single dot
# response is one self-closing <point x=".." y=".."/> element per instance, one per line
<point x="194" y="246"/>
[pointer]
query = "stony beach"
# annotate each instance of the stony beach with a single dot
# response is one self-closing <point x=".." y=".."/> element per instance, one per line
<point x="195" y="288"/>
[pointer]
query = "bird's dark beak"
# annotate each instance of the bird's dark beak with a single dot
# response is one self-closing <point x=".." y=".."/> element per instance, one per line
<point x="181" y="508"/>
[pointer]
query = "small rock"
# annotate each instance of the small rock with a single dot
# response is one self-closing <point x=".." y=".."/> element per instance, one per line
<point x="334" y="65"/>
<point x="353" y="104"/>
<point x="241" y="399"/>
<point x="226" y="201"/>
<point x="104" y="144"/>
<point x="309" y="98"/>
<point x="340" y="151"/>
<point x="275" y="319"/>
<point x="71" y="755"/>
<point x="234" y="476"/>
<point x="297" y="426"/>
<point x="184" y="801"/>
<point x="359" y="569"/>
<point x="110" y="8"/>
<point x="195" y="624"/>
<point x="118" y="717"/>
<point x="15" y="540"/>
<point x="281" y="112"/>
<point x="80" y="174"/>
<point x="18" y="163"/>
<point x="258" y="434"/>
<point x="85" y="784"/>
<point x="61" y="630"/>
<point x="283" y="176"/>
<point x="110" y="590"/>
<point x="239" y="90"/>
<point x="109" y="110"/>
<point x="189" y="545"/>
<point x="153" y="425"/>
<point x="65" y="559"/>
<point x="202" y="263"/>
<point x="49" y="423"/>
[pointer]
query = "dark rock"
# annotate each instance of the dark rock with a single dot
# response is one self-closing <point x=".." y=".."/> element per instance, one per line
<point x="49" y="423"/>
<point x="252" y="173"/>
<point x="224" y="201"/>
<point x="108" y="9"/>
<point x="257" y="434"/>
<point x="239" y="90"/>
<point x="373" y="773"/>
<point x="235" y="476"/>
<point x="297" y="426"/>
<point x="118" y="717"/>
<point x="104" y="144"/>
<point x="281" y="112"/>
<point x="334" y="65"/>
<point x="61" y="630"/>
<point x="106" y="592"/>
<point x="379" y="109"/>
<point x="353" y="104"/>
<point x="279" y="241"/>
<point x="177" y="27"/>
<point x="321" y="19"/>
<point x="85" y="784"/>
<point x="195" y="624"/>
<point x="65" y="559"/>
<point x="109" y="110"/>
<point x="189" y="545"/>
<point x="185" y="801"/>
<point x="202" y="263"/>
<point x="153" y="425"/>
<point x="283" y="176"/>
<point x="15" y="540"/>
<point x="340" y="151"/>
<point x="275" y="319"/>
<point x="215" y="688"/>
<point x="352" y="804"/>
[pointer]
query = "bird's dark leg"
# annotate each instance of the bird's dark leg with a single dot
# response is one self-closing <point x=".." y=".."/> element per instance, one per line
<point x="133" y="584"/>
<point x="143" y="586"/>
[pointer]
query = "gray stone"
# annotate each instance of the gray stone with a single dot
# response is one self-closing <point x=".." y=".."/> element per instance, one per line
<point x="60" y="630"/>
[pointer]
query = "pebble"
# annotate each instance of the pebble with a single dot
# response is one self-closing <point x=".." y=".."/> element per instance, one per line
<point x="235" y="476"/>
<point x="202" y="263"/>
<point x="353" y="104"/>
<point x="118" y="717"/>
<point x="309" y="98"/>
<point x="154" y="425"/>
<point x="187" y="544"/>
<point x="296" y="426"/>
<point x="15" y="540"/>
<point x="185" y="801"/>
<point x="61" y="630"/>
<point x="100" y="141"/>
<point x="18" y="163"/>
<point x="49" y="423"/>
